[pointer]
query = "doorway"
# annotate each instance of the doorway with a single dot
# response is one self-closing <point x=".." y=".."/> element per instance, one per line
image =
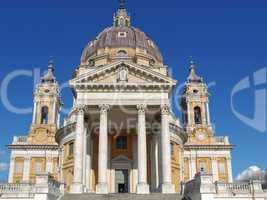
<point x="121" y="180"/>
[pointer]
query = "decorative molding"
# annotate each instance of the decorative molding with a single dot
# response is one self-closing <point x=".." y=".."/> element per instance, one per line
<point x="37" y="147"/>
<point x="208" y="147"/>
<point x="104" y="108"/>
<point x="79" y="109"/>
<point x="141" y="108"/>
<point x="165" y="109"/>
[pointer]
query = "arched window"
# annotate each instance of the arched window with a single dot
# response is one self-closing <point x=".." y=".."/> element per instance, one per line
<point x="122" y="53"/>
<point x="44" y="115"/>
<point x="197" y="114"/>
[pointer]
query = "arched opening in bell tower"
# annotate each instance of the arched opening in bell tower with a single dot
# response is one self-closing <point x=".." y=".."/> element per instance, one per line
<point x="197" y="115"/>
<point x="44" y="115"/>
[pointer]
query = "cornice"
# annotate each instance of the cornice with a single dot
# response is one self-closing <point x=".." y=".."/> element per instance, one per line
<point x="208" y="147"/>
<point x="35" y="147"/>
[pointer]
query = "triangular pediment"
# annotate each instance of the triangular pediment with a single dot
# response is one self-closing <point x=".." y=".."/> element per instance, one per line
<point x="122" y="73"/>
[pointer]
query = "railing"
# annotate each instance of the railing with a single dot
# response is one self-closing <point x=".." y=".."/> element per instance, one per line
<point x="233" y="187"/>
<point x="19" y="188"/>
<point x="222" y="140"/>
<point x="177" y="130"/>
<point x="20" y="140"/>
<point x="45" y="184"/>
<point x="64" y="131"/>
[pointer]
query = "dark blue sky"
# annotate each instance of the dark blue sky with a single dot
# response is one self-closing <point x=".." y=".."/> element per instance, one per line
<point x="227" y="38"/>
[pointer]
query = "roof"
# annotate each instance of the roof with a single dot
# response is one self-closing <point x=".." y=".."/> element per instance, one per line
<point x="123" y="35"/>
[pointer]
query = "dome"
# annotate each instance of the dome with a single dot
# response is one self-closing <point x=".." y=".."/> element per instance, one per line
<point x="122" y="35"/>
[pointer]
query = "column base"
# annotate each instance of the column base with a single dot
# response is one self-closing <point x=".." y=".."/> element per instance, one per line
<point x="142" y="188"/>
<point x="102" y="188"/>
<point x="76" y="188"/>
<point x="167" y="188"/>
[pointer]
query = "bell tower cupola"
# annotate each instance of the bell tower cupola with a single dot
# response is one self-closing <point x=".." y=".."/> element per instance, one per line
<point x="195" y="101"/>
<point x="47" y="105"/>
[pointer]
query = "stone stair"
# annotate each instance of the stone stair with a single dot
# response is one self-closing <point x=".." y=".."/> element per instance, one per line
<point x="153" y="196"/>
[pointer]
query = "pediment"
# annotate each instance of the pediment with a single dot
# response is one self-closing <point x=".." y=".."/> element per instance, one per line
<point x="122" y="74"/>
<point x="121" y="159"/>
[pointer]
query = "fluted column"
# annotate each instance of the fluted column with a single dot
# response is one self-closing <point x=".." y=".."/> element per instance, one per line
<point x="167" y="187"/>
<point x="102" y="186"/>
<point x="77" y="186"/>
<point x="142" y="186"/>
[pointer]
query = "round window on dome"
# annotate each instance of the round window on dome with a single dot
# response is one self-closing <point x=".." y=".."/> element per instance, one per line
<point x="91" y="62"/>
<point x="122" y="53"/>
<point x="152" y="62"/>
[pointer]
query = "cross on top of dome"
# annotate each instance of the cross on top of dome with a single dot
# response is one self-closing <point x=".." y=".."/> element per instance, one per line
<point x="193" y="77"/>
<point x="122" y="4"/>
<point x="121" y="18"/>
<point x="49" y="76"/>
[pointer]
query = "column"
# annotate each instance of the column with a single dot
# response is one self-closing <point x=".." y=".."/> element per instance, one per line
<point x="135" y="165"/>
<point x="193" y="166"/>
<point x="88" y="163"/>
<point x="154" y="163"/>
<point x="58" y="120"/>
<point x="49" y="164"/>
<point x="85" y="158"/>
<point x="34" y="113"/>
<point x="54" y="121"/>
<point x="11" y="170"/>
<point x="102" y="186"/>
<point x="26" y="170"/>
<point x="189" y="119"/>
<point x="167" y="187"/>
<point x="215" y="169"/>
<point x="77" y="186"/>
<point x="229" y="168"/>
<point x="142" y="186"/>
<point x="208" y="113"/>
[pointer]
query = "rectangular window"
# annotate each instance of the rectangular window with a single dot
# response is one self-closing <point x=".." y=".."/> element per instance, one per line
<point x="19" y="168"/>
<point x="222" y="169"/>
<point x="202" y="166"/>
<point x="71" y="149"/>
<point x="121" y="143"/>
<point x="38" y="167"/>
<point x="122" y="34"/>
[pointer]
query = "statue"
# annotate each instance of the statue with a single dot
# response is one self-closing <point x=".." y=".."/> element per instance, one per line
<point x="123" y="74"/>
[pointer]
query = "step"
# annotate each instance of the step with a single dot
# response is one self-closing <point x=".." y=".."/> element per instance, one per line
<point x="153" y="196"/>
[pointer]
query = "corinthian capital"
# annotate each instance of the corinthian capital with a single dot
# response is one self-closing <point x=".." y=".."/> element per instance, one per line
<point x="141" y="108"/>
<point x="165" y="109"/>
<point x="79" y="109"/>
<point x="104" y="108"/>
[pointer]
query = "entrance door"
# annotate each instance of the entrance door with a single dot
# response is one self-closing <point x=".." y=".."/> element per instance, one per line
<point x="121" y="180"/>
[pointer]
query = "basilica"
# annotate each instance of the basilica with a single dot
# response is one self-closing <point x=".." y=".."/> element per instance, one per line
<point x="121" y="135"/>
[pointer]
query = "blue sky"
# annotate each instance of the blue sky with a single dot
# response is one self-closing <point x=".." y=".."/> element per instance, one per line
<point x="227" y="39"/>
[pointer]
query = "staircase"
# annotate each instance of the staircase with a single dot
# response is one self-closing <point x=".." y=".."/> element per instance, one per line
<point x="153" y="196"/>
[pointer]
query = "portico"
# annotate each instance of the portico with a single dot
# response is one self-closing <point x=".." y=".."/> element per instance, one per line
<point x="133" y="157"/>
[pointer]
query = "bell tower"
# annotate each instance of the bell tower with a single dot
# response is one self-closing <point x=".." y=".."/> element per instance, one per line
<point x="195" y="102"/>
<point x="47" y="104"/>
